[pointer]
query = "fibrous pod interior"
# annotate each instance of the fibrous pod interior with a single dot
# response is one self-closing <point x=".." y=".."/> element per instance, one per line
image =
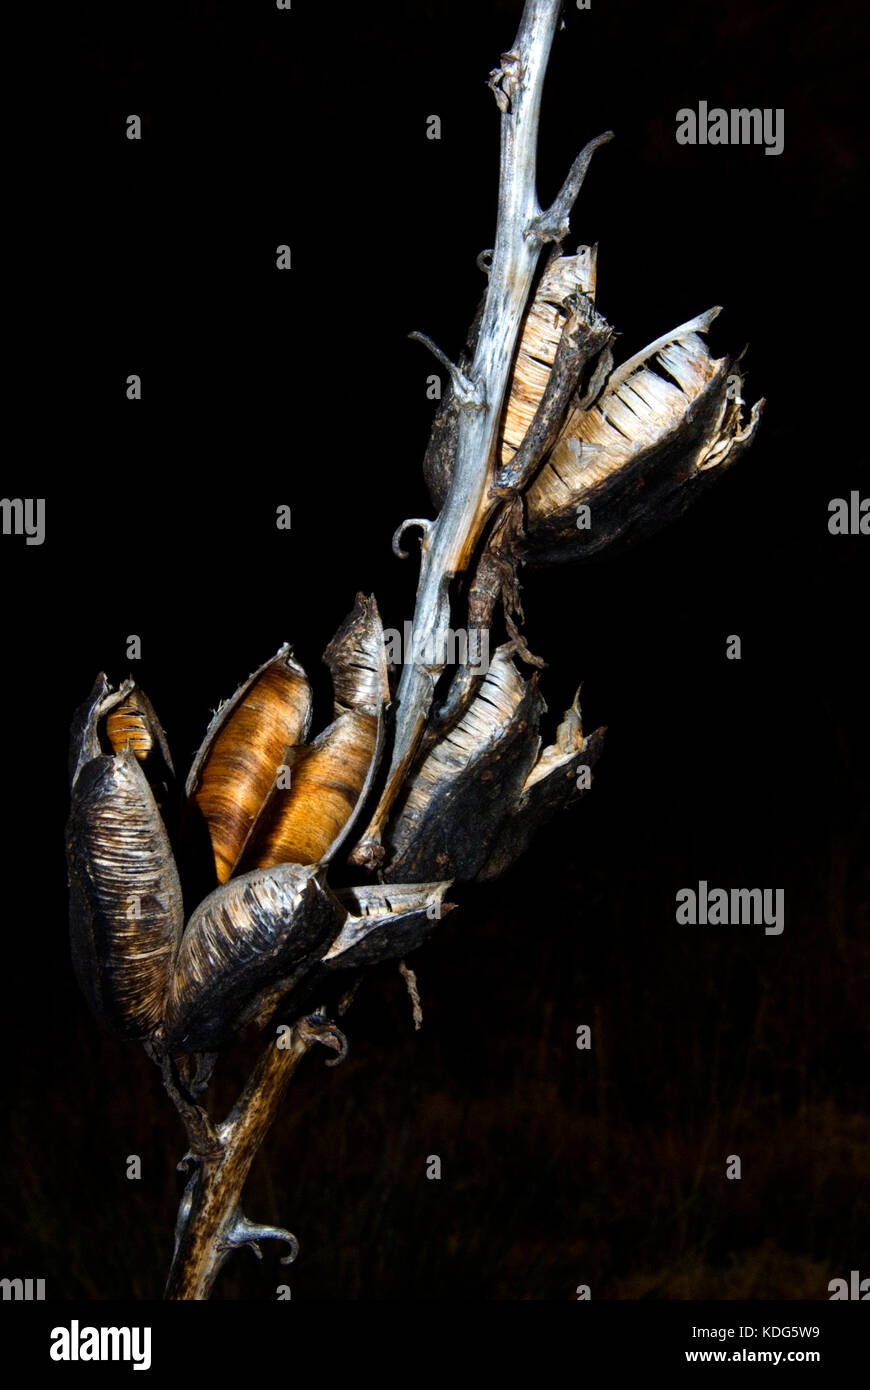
<point x="462" y="791"/>
<point x="126" y="908"/>
<point x="308" y="815"/>
<point x="245" y="746"/>
<point x="665" y="419"/>
<point x="241" y="940"/>
<point x="542" y="329"/>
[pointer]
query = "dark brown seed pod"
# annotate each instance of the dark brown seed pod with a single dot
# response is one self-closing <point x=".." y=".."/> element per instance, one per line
<point x="307" y="821"/>
<point x="241" y="941"/>
<point x="668" y="421"/>
<point x="456" y="801"/>
<point x="564" y="276"/>
<point x="126" y="908"/>
<point x="245" y="745"/>
<point x="551" y="785"/>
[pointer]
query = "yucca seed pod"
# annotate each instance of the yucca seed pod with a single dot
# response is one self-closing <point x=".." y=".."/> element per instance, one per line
<point x="307" y="821"/>
<point x="551" y="785"/>
<point x="668" y="421"/>
<point x="245" y="746"/>
<point x="381" y="923"/>
<point x="241" y="941"/>
<point x="385" y="922"/>
<point x="126" y="910"/>
<point x="456" y="801"/>
<point x="564" y="277"/>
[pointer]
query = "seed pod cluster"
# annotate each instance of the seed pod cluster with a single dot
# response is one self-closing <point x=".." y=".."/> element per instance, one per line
<point x="274" y="810"/>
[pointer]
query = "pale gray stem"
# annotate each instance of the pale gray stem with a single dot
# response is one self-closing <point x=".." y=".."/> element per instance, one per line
<point x="452" y="540"/>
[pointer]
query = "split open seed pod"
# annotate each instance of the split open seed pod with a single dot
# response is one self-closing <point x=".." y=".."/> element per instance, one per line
<point x="126" y="910"/>
<point x="667" y="423"/>
<point x="382" y="923"/>
<point x="385" y="923"/>
<point x="308" y="815"/>
<point x="452" y="811"/>
<point x="245" y="746"/>
<point x="561" y="775"/>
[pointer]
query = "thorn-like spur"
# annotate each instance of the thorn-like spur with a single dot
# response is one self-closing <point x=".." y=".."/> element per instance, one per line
<point x="244" y="1232"/>
<point x="467" y="392"/>
<point x="317" y="1028"/>
<point x="553" y="223"/>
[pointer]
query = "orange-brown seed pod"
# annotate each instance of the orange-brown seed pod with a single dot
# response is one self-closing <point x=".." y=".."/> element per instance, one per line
<point x="305" y="822"/>
<point x="542" y="329"/>
<point x="245" y="745"/>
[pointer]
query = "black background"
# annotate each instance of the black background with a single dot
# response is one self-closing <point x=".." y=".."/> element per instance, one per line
<point x="261" y="388"/>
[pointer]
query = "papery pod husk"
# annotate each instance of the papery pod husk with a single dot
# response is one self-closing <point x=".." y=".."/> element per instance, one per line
<point x="549" y="788"/>
<point x="383" y="922"/>
<point x="642" y="452"/>
<point x="245" y="745"/>
<point x="455" y="804"/>
<point x="126" y="911"/>
<point x="242" y="939"/>
<point x="562" y="277"/>
<point x="307" y="821"/>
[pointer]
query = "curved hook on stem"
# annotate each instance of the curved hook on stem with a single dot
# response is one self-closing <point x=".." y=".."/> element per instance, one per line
<point x="424" y="525"/>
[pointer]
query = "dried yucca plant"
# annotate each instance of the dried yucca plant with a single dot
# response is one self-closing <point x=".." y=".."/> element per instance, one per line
<point x="543" y="450"/>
